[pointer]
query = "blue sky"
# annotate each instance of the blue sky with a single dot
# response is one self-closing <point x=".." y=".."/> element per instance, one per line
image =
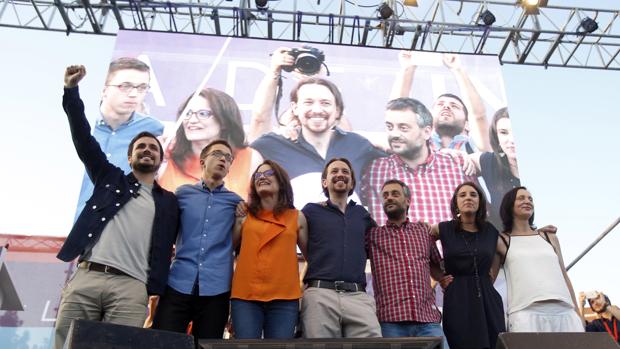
<point x="565" y="121"/>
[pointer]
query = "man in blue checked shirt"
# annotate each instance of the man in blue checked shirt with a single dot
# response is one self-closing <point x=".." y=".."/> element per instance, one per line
<point x="201" y="273"/>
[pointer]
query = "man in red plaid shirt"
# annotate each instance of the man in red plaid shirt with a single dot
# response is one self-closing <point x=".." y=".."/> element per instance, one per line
<point x="431" y="175"/>
<point x="403" y="257"/>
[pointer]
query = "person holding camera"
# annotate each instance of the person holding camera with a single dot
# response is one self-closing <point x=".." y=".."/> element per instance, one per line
<point x="318" y="106"/>
<point x="607" y="315"/>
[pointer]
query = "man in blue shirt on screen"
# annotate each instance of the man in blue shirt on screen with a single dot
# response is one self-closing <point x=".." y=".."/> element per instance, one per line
<point x="125" y="88"/>
<point x="318" y="105"/>
<point x="200" y="277"/>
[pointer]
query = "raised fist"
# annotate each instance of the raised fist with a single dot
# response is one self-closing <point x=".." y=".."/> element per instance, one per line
<point x="73" y="75"/>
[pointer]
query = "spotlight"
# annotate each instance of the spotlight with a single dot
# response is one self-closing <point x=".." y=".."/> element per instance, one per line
<point x="487" y="17"/>
<point x="589" y="25"/>
<point x="261" y="4"/>
<point x="413" y="3"/>
<point x="385" y="11"/>
<point x="531" y="6"/>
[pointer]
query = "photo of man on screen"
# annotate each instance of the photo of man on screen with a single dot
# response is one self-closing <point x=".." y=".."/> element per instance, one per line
<point x="126" y="85"/>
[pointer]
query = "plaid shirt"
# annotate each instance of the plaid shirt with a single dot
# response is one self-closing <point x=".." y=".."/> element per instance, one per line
<point x="400" y="257"/>
<point x="432" y="185"/>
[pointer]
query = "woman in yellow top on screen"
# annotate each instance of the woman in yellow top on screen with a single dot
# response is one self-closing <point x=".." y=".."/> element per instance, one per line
<point x="211" y="115"/>
<point x="265" y="289"/>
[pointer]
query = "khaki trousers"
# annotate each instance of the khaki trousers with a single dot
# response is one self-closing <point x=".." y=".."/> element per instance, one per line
<point x="327" y="313"/>
<point x="98" y="296"/>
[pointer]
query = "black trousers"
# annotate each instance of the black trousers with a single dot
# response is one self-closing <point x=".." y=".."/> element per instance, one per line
<point x="209" y="314"/>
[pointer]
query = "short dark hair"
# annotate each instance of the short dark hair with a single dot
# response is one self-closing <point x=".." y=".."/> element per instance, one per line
<point x="481" y="214"/>
<point x="227" y="114"/>
<point x="323" y="82"/>
<point x="126" y="63"/>
<point x="324" y="174"/>
<point x="506" y="209"/>
<point x="141" y="135"/>
<point x="405" y="187"/>
<point x="205" y="150"/>
<point x="424" y="117"/>
<point x="450" y="95"/>
<point x="285" y="193"/>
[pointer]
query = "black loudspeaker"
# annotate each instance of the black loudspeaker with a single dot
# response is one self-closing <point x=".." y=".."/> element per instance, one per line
<point x="84" y="334"/>
<point x="538" y="340"/>
<point x="341" y="343"/>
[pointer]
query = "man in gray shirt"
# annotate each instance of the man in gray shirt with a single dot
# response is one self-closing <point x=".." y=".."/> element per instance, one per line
<point x="125" y="233"/>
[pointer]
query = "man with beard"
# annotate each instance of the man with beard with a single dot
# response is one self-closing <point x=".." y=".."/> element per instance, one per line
<point x="431" y="175"/>
<point x="124" y="236"/>
<point x="201" y="273"/>
<point x="334" y="303"/>
<point x="125" y="87"/>
<point x="318" y="105"/>
<point x="607" y="315"/>
<point x="403" y="255"/>
<point x="454" y="129"/>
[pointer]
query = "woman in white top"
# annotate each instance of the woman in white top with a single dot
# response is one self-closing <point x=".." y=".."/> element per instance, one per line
<point x="540" y="294"/>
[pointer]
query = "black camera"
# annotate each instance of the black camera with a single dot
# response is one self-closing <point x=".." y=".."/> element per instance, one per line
<point x="308" y="60"/>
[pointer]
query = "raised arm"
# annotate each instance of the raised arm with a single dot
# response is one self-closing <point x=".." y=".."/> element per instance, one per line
<point x="302" y="234"/>
<point x="477" y="119"/>
<point x="86" y="146"/>
<point x="404" y="78"/>
<point x="265" y="96"/>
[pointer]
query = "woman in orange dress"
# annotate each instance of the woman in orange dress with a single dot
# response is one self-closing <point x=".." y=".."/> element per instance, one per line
<point x="211" y="115"/>
<point x="265" y="289"/>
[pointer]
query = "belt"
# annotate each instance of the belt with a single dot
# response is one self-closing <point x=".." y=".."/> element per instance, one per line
<point x="101" y="268"/>
<point x="339" y="286"/>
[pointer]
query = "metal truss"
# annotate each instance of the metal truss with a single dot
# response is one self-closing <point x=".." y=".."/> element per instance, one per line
<point x="549" y="36"/>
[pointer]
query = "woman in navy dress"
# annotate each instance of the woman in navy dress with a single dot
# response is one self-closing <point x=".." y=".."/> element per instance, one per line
<point x="473" y="311"/>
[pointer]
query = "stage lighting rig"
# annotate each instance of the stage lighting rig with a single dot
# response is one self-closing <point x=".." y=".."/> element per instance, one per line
<point x="588" y="25"/>
<point x="487" y="17"/>
<point x="384" y="11"/>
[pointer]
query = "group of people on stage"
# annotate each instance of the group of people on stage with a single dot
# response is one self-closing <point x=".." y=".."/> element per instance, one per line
<point x="126" y="232"/>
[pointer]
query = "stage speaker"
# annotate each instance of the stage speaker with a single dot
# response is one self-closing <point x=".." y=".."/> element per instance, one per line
<point x="84" y="334"/>
<point x="538" y="340"/>
<point x="340" y="343"/>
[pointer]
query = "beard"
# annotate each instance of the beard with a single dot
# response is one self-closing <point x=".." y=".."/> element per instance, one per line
<point x="409" y="151"/>
<point x="449" y="129"/>
<point x="396" y="213"/>
<point x="145" y="168"/>
<point x="337" y="179"/>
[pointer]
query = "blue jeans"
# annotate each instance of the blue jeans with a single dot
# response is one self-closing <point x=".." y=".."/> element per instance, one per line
<point x="413" y="329"/>
<point x="273" y="319"/>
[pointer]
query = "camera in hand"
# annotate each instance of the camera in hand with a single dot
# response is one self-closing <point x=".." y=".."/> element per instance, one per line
<point x="308" y="60"/>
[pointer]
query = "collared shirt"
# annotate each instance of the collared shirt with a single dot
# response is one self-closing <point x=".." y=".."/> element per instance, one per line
<point x="300" y="157"/>
<point x="114" y="144"/>
<point x="336" y="242"/>
<point x="400" y="258"/>
<point x="459" y="142"/>
<point x="431" y="183"/>
<point x="204" y="244"/>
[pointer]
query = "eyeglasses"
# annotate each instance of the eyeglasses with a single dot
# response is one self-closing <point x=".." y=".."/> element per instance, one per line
<point x="266" y="173"/>
<point x="220" y="154"/>
<point x="202" y="114"/>
<point x="127" y="87"/>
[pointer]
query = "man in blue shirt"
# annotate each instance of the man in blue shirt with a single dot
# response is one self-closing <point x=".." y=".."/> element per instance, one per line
<point x="318" y="105"/>
<point x="201" y="273"/>
<point x="335" y="303"/>
<point x="125" y="88"/>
